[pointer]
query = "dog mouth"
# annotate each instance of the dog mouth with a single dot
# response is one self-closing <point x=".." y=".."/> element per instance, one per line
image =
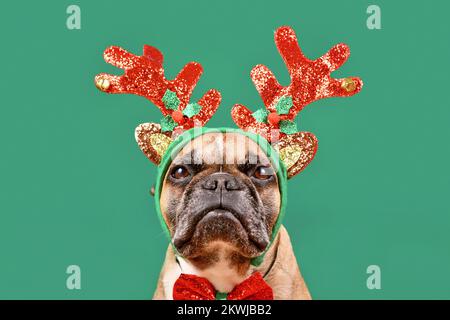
<point x="220" y="224"/>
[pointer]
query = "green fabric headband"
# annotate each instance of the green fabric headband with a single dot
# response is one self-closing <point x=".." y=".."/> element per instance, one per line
<point x="176" y="146"/>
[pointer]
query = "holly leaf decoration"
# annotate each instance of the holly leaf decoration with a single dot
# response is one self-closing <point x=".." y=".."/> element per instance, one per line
<point x="170" y="100"/>
<point x="288" y="127"/>
<point x="192" y="109"/>
<point x="284" y="104"/>
<point x="260" y="115"/>
<point x="168" y="124"/>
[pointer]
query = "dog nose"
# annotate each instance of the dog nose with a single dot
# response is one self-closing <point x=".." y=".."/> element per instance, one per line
<point x="221" y="181"/>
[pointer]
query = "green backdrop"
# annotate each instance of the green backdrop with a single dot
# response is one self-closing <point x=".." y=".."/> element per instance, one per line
<point x="75" y="186"/>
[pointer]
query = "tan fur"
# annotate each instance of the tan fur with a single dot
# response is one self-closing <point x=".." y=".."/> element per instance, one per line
<point x="279" y="268"/>
<point x="221" y="262"/>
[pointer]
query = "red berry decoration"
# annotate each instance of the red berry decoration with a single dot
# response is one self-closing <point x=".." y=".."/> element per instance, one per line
<point x="273" y="118"/>
<point x="178" y="116"/>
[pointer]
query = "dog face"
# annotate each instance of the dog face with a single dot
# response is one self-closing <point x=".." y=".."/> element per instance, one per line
<point x="221" y="189"/>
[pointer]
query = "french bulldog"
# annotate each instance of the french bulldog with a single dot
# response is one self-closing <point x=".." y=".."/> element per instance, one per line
<point x="220" y="199"/>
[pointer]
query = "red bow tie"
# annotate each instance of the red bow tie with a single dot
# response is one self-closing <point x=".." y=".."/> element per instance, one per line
<point x="191" y="287"/>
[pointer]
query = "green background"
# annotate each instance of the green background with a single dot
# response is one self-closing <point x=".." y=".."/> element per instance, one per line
<point x="75" y="186"/>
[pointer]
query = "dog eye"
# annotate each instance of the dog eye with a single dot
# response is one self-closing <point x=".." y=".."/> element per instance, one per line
<point x="263" y="173"/>
<point x="180" y="172"/>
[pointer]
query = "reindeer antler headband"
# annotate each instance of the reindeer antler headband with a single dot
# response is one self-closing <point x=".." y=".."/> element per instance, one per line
<point x="310" y="81"/>
<point x="144" y="76"/>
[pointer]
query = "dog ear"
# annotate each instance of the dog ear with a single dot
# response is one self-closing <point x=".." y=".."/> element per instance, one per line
<point x="297" y="151"/>
<point x="152" y="141"/>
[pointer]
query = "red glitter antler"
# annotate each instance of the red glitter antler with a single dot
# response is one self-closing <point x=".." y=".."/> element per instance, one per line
<point x="144" y="76"/>
<point x="310" y="81"/>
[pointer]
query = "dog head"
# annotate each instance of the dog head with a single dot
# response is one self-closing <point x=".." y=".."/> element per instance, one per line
<point x="236" y="201"/>
<point x="220" y="189"/>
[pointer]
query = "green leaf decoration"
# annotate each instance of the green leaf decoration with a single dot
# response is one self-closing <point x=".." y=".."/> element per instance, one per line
<point x="168" y="124"/>
<point x="192" y="109"/>
<point x="260" y="115"/>
<point x="288" y="127"/>
<point x="284" y="104"/>
<point x="170" y="100"/>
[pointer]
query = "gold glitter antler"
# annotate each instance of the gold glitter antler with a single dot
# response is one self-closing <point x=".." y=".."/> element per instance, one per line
<point x="310" y="81"/>
<point x="144" y="76"/>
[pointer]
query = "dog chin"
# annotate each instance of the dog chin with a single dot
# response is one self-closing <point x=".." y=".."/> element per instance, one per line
<point x="221" y="226"/>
